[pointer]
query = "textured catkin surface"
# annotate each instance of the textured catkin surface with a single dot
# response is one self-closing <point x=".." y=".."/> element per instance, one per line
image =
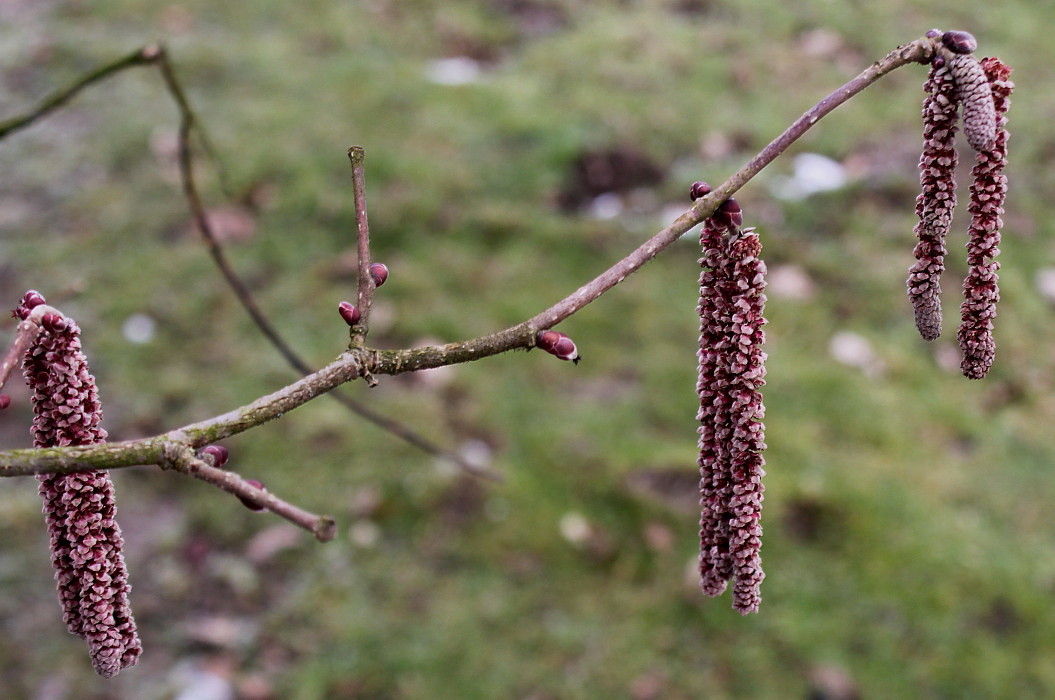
<point x="731" y="372"/>
<point x="974" y="93"/>
<point x="86" y="541"/>
<point x="936" y="201"/>
<point x="981" y="289"/>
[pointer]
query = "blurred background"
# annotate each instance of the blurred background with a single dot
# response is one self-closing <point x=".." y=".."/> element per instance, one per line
<point x="515" y="149"/>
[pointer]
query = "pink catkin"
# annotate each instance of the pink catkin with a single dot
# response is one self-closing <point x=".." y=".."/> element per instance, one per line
<point x="732" y="370"/>
<point x="715" y="477"/>
<point x="79" y="509"/>
<point x="936" y="201"/>
<point x="988" y="191"/>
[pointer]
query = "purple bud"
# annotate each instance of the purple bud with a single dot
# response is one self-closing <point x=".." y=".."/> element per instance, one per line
<point x="698" y="190"/>
<point x="5" y="401"/>
<point x="547" y="340"/>
<point x="53" y="323"/>
<point x="938" y="62"/>
<point x="378" y="273"/>
<point x="349" y="313"/>
<point x="959" y="42"/>
<point x="217" y="454"/>
<point x="934" y="33"/>
<point x="249" y="504"/>
<point x="565" y="349"/>
<point x="729" y="211"/>
<point x="558" y="345"/>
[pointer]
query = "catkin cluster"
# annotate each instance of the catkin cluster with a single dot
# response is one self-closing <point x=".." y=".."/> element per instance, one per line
<point x="959" y="85"/>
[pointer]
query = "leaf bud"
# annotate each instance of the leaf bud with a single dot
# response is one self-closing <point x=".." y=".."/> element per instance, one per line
<point x="959" y="42"/>
<point x="249" y="504"/>
<point x="730" y="213"/>
<point x="378" y="273"/>
<point x="699" y="189"/>
<point x="217" y="454"/>
<point x="349" y="313"/>
<point x="5" y="401"/>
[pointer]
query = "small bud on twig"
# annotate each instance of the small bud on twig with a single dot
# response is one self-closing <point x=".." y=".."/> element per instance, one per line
<point x="5" y="401"/>
<point x="215" y="454"/>
<point x="378" y="273"/>
<point x="729" y="213"/>
<point x="959" y="42"/>
<point x="699" y="189"/>
<point x="349" y="313"/>
<point x="558" y="345"/>
<point x="249" y="504"/>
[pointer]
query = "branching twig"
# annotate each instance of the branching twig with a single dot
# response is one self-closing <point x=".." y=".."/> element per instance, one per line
<point x="358" y="361"/>
<point x="181" y="458"/>
<point x="156" y="55"/>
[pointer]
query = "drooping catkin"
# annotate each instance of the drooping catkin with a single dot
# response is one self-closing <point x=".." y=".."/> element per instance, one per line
<point x="937" y="198"/>
<point x="731" y="372"/>
<point x="988" y="191"/>
<point x="79" y="509"/>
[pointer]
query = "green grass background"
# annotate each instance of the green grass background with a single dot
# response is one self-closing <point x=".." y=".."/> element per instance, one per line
<point x="910" y="541"/>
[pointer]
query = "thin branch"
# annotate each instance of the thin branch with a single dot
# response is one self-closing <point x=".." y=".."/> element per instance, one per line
<point x="181" y="458"/>
<point x="189" y="122"/>
<point x="143" y="56"/>
<point x="357" y="362"/>
<point x="357" y="155"/>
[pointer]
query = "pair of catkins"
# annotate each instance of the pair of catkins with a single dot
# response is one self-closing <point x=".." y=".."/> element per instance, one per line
<point x="732" y="301"/>
<point x="980" y="90"/>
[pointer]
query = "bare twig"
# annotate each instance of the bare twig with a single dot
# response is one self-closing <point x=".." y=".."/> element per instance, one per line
<point x="60" y="97"/>
<point x="357" y="155"/>
<point x="181" y="458"/>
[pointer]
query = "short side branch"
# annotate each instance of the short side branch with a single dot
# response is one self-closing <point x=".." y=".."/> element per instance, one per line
<point x="181" y="458"/>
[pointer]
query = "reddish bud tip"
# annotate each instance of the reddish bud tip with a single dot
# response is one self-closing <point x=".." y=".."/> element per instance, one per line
<point x="249" y="504"/>
<point x="565" y="349"/>
<point x="698" y="190"/>
<point x="217" y="454"/>
<point x="558" y="345"/>
<point x="938" y="61"/>
<point x="934" y="33"/>
<point x="53" y="323"/>
<point x="5" y="401"/>
<point x="349" y="313"/>
<point x="378" y="273"/>
<point x="959" y="42"/>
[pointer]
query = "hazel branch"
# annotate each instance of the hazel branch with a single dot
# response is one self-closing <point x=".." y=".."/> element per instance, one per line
<point x="357" y="362"/>
<point x="181" y="458"/>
